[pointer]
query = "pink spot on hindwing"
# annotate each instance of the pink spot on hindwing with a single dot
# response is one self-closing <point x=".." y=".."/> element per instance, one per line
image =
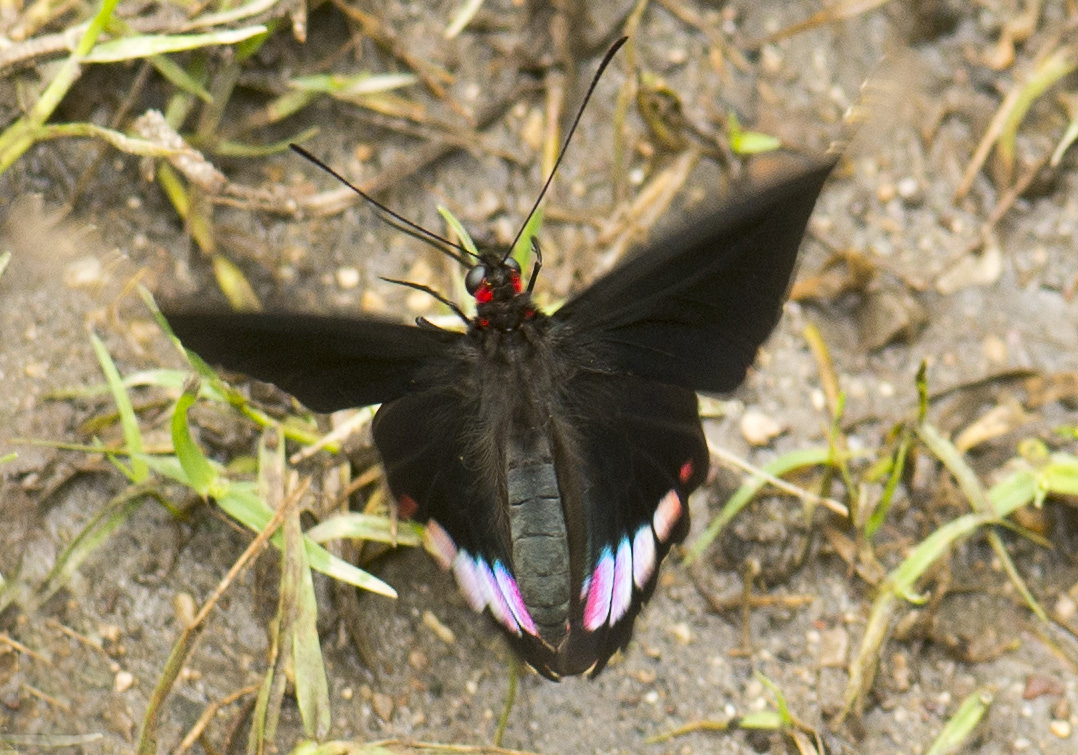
<point x="666" y="515"/>
<point x="621" y="595"/>
<point x="597" y="607"/>
<point x="439" y="544"/>
<point x="643" y="556"/>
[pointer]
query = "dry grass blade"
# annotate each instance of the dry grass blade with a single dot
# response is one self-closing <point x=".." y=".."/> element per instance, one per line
<point x="840" y="11"/>
<point x="1001" y="130"/>
<point x="154" y="128"/>
<point x="190" y="635"/>
<point x="462" y="18"/>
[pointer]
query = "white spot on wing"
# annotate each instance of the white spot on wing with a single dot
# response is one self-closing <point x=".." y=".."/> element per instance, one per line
<point x="666" y="515"/>
<point x="439" y="544"/>
<point x="643" y="556"/>
<point x="495" y="599"/>
<point x="621" y="596"/>
<point x="468" y="581"/>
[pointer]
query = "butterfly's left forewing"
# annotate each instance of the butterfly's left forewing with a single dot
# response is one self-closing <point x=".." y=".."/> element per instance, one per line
<point x="693" y="309"/>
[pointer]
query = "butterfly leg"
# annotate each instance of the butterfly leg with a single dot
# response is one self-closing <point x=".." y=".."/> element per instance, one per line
<point x="538" y="263"/>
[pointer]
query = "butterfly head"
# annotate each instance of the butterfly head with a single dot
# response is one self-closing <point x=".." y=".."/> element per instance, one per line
<point x="501" y="302"/>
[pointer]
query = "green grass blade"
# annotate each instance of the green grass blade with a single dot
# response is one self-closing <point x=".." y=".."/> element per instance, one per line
<point x="1060" y="475"/>
<point x="129" y="144"/>
<point x="898" y="466"/>
<point x="522" y="252"/>
<point x="201" y="476"/>
<point x="462" y="234"/>
<point x="958" y="728"/>
<point x="743" y="142"/>
<point x="808" y="457"/>
<point x="174" y="73"/>
<point x="149" y="45"/>
<point x="355" y="526"/>
<point x="462" y="17"/>
<point x="18" y="138"/>
<point x="904" y="577"/>
<point x="241" y="501"/>
<point x="115" y="513"/>
<point x="1013" y="492"/>
<point x="228" y="148"/>
<point x="963" y="474"/>
<point x="128" y="421"/>
<point x="312" y="685"/>
<point x="352" y="87"/>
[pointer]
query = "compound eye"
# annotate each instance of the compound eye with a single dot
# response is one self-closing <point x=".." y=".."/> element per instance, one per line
<point x="513" y="265"/>
<point x="475" y="277"/>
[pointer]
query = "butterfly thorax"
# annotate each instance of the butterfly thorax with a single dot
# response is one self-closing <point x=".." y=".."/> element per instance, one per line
<point x="501" y="302"/>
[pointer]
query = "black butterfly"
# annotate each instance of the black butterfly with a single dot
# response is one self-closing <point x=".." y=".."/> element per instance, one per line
<point x="551" y="455"/>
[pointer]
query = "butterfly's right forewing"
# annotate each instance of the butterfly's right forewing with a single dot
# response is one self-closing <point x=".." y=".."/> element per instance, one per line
<point x="328" y="363"/>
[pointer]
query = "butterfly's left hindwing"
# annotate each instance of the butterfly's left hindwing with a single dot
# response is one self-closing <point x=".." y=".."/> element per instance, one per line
<point x="632" y="451"/>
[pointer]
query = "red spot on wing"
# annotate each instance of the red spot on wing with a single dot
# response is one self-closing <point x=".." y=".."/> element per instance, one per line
<point x="406" y="506"/>
<point x="686" y="472"/>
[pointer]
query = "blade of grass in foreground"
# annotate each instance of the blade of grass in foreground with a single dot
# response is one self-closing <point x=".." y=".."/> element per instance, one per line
<point x="18" y="137"/>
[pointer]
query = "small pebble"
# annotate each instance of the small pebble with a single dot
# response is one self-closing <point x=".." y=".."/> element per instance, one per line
<point x="417" y="659"/>
<point x="124" y="681"/>
<point x="834" y="646"/>
<point x="433" y="623"/>
<point x="1066" y="608"/>
<point x="347" y="278"/>
<point x="1061" y="729"/>
<point x="183" y="604"/>
<point x="759" y="428"/>
<point x="681" y="632"/>
<point x="383" y="706"/>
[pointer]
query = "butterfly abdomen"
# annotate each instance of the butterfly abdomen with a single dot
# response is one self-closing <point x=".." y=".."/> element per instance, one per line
<point x="539" y="539"/>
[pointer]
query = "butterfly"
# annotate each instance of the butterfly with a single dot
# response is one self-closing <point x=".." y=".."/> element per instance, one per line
<point x="551" y="455"/>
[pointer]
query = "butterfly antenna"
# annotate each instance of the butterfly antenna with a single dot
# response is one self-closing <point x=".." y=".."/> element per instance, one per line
<point x="398" y="221"/>
<point x="565" y="145"/>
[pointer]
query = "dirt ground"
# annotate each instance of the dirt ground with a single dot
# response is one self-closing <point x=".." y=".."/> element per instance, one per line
<point x="987" y="304"/>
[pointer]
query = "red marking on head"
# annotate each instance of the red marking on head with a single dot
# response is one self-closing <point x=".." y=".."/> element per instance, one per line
<point x="685" y="473"/>
<point x="517" y="285"/>
<point x="484" y="293"/>
<point x="406" y="506"/>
